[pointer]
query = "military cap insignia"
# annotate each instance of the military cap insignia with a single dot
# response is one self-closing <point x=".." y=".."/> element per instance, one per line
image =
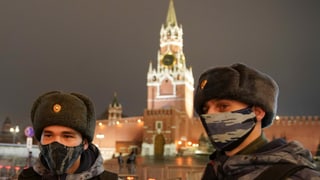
<point x="57" y="108"/>
<point x="203" y="84"/>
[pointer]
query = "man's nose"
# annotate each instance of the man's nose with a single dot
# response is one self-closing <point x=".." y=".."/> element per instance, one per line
<point x="212" y="110"/>
<point x="56" y="139"/>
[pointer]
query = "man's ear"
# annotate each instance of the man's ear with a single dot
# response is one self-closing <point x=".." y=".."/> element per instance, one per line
<point x="260" y="113"/>
<point x="85" y="144"/>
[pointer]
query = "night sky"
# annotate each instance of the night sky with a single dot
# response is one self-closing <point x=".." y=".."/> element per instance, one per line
<point x="101" y="47"/>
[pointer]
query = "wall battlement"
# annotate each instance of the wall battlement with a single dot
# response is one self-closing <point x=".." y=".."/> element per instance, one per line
<point x="297" y="120"/>
<point x="160" y="112"/>
<point x="304" y="129"/>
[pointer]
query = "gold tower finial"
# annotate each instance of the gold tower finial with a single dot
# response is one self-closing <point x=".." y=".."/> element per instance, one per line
<point x="171" y="16"/>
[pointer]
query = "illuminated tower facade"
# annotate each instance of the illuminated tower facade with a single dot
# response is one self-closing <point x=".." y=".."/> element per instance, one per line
<point x="171" y="83"/>
<point x="114" y="111"/>
<point x="170" y="93"/>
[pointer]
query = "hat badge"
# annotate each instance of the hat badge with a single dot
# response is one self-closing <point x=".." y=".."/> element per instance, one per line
<point x="56" y="108"/>
<point x="203" y="84"/>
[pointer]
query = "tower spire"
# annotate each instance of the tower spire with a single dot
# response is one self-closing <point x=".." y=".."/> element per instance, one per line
<point x="115" y="100"/>
<point x="171" y="16"/>
<point x="114" y="110"/>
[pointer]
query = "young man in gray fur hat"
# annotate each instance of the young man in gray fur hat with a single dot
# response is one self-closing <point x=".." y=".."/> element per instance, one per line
<point x="235" y="103"/>
<point x="64" y="125"/>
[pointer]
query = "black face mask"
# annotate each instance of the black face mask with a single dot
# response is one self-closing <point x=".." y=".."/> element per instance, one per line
<point x="60" y="157"/>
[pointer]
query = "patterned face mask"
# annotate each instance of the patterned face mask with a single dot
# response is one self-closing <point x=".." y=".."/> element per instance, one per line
<point x="60" y="157"/>
<point x="229" y="129"/>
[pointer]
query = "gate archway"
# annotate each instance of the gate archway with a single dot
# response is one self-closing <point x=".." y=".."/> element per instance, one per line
<point x="159" y="143"/>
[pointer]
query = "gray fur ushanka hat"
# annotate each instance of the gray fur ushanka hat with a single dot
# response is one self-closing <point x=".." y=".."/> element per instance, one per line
<point x="72" y="110"/>
<point x="238" y="82"/>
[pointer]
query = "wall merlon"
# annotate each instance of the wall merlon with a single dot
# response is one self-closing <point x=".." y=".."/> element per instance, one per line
<point x="300" y="120"/>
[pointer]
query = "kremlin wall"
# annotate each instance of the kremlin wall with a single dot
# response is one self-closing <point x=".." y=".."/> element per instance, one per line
<point x="305" y="129"/>
<point x="127" y="133"/>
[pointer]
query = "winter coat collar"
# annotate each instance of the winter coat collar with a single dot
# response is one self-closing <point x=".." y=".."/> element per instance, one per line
<point x="277" y="151"/>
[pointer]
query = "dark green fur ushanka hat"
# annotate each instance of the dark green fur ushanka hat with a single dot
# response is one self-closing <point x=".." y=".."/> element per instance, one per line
<point x="72" y="110"/>
<point x="238" y="82"/>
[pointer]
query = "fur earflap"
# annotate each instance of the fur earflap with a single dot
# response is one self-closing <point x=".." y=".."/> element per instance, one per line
<point x="238" y="82"/>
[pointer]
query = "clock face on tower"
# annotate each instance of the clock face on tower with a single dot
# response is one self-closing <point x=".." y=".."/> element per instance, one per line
<point x="168" y="60"/>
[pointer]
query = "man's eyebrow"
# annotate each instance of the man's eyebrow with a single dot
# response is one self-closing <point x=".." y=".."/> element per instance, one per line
<point x="68" y="132"/>
<point x="62" y="132"/>
<point x="47" y="131"/>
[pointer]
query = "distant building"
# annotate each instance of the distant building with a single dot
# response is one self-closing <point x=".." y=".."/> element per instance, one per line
<point x="117" y="133"/>
<point x="114" y="111"/>
<point x="9" y="133"/>
<point x="5" y="135"/>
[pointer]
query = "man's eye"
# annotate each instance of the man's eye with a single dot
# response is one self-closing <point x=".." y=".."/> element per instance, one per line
<point x="205" y="109"/>
<point x="68" y="136"/>
<point x="223" y="107"/>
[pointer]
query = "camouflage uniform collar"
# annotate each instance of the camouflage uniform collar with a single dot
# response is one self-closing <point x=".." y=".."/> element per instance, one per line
<point x="254" y="146"/>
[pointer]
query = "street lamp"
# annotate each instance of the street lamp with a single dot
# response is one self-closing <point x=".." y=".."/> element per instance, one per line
<point x="14" y="131"/>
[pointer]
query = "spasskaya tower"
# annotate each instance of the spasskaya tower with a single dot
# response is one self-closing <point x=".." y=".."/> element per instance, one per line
<point x="171" y="83"/>
<point x="168" y="119"/>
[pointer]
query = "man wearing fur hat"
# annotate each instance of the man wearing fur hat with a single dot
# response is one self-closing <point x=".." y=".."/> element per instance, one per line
<point x="235" y="103"/>
<point x="64" y="124"/>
